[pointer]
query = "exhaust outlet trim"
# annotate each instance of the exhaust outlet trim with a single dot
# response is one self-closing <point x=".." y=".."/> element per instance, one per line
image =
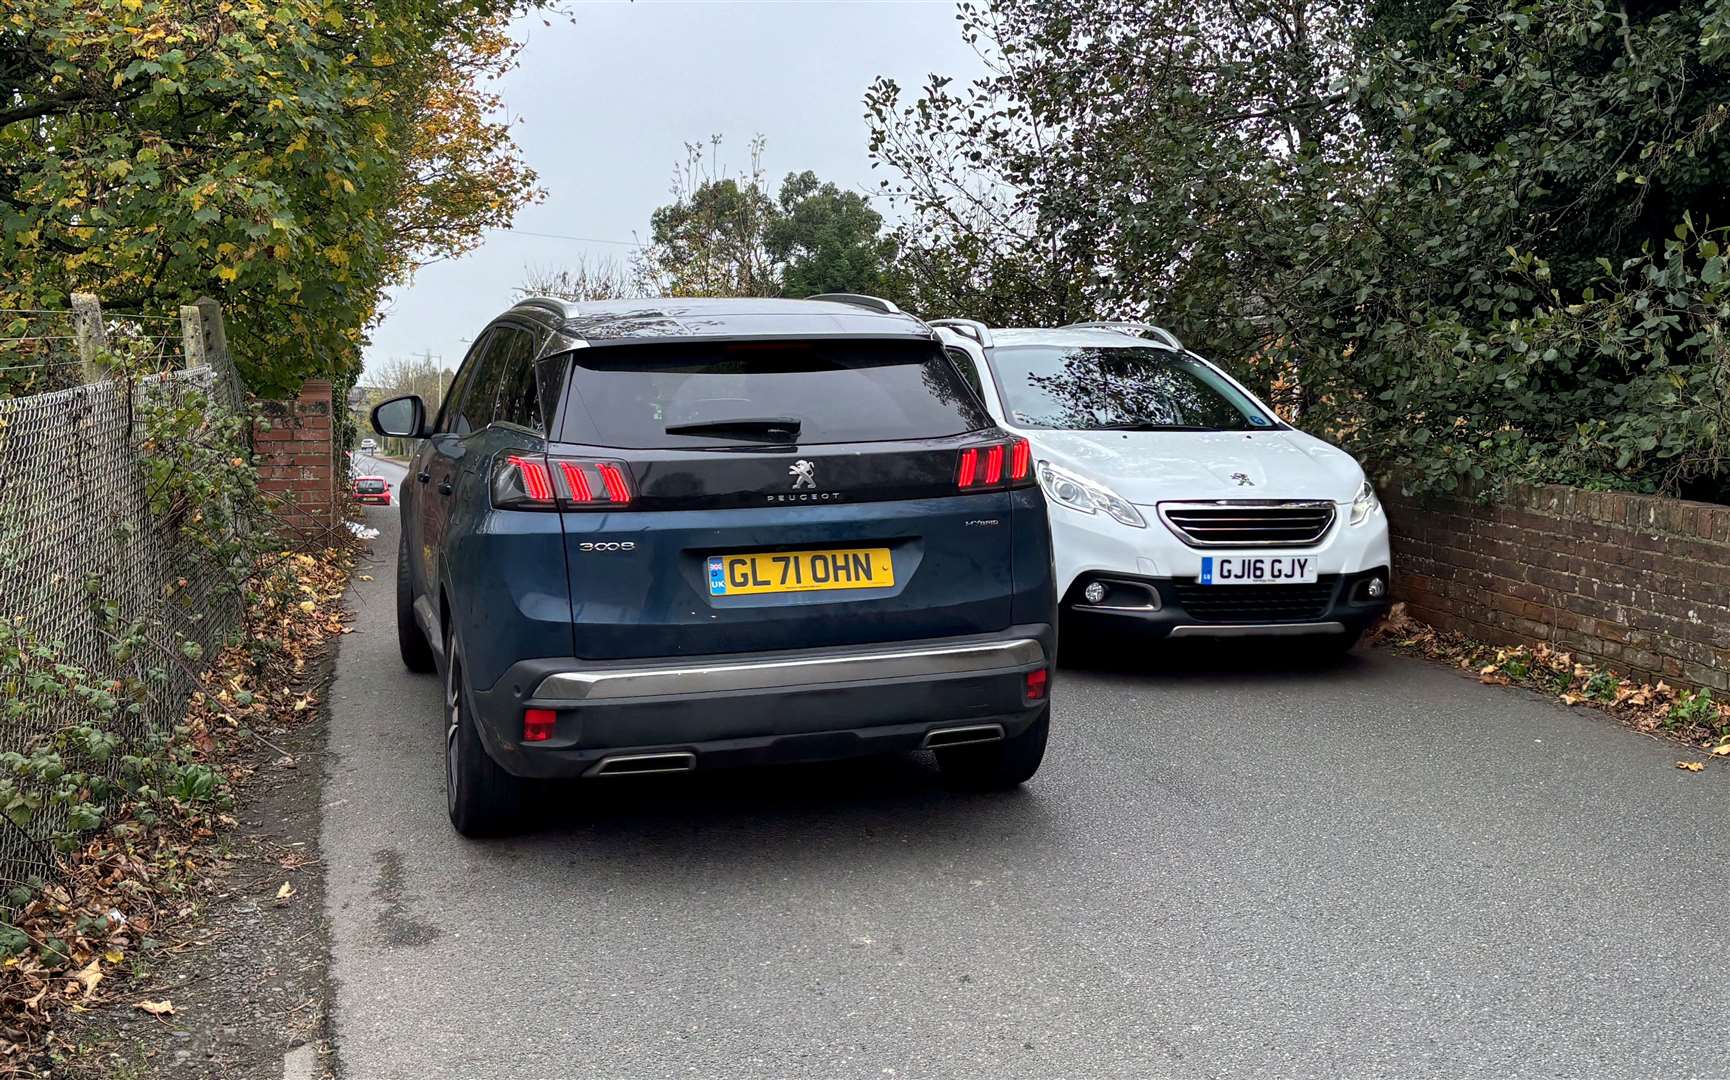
<point x="644" y="764"/>
<point x="971" y="734"/>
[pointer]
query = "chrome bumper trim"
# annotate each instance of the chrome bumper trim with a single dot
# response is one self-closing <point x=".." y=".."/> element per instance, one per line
<point x="613" y="684"/>
<point x="1261" y="630"/>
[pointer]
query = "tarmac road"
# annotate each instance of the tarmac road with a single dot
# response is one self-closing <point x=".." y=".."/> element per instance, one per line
<point x="1227" y="868"/>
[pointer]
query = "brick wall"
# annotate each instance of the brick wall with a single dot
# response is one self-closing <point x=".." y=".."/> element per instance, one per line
<point x="1637" y="583"/>
<point x="296" y="456"/>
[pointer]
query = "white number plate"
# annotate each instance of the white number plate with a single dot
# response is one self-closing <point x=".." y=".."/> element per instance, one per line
<point x="1258" y="569"/>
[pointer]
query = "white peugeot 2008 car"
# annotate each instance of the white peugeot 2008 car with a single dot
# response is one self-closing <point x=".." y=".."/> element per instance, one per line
<point x="1180" y="504"/>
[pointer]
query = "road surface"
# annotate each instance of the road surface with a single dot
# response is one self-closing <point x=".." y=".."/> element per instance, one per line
<point x="1223" y="870"/>
<point x="366" y="464"/>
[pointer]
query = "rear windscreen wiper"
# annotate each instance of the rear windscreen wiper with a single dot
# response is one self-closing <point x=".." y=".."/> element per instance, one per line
<point x="774" y="427"/>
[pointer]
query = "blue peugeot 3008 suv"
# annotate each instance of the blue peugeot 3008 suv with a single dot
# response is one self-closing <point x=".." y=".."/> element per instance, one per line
<point x="654" y="536"/>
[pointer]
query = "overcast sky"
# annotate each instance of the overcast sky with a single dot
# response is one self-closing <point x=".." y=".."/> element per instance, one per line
<point x="607" y="100"/>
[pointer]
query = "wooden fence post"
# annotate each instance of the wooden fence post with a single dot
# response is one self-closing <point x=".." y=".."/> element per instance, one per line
<point x="91" y="334"/>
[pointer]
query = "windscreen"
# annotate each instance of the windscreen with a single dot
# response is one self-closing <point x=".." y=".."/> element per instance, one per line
<point x="371" y="487"/>
<point x="696" y="394"/>
<point x="1130" y="388"/>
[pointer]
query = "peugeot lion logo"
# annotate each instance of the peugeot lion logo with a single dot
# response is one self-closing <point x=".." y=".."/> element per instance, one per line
<point x="1242" y="479"/>
<point x="801" y="472"/>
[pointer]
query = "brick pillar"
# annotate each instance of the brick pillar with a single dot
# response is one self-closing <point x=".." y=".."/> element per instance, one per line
<point x="296" y="459"/>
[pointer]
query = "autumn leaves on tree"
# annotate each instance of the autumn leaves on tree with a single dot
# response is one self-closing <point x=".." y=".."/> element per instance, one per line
<point x="290" y="158"/>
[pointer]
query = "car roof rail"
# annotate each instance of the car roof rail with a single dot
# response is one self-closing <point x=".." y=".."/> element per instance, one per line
<point x="1133" y="329"/>
<point x="870" y="303"/>
<point x="972" y="328"/>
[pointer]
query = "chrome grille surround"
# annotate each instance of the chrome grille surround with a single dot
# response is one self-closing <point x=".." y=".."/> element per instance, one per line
<point x="1250" y="523"/>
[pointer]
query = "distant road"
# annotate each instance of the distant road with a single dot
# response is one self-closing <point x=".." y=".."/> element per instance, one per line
<point x="366" y="464"/>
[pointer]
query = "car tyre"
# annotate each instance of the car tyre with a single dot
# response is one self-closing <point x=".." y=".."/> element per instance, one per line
<point x="997" y="766"/>
<point x="482" y="798"/>
<point x="417" y="654"/>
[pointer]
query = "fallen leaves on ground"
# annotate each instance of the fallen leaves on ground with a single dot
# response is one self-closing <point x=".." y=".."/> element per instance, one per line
<point x="1653" y="708"/>
<point x="134" y="887"/>
<point x="1691" y="766"/>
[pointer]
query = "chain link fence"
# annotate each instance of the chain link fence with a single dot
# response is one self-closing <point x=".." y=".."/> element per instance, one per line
<point x="82" y="556"/>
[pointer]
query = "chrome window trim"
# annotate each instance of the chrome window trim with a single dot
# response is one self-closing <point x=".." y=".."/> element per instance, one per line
<point x="623" y="684"/>
<point x="1266" y="504"/>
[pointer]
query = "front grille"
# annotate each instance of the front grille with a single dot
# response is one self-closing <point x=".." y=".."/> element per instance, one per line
<point x="1248" y="524"/>
<point x="1256" y="603"/>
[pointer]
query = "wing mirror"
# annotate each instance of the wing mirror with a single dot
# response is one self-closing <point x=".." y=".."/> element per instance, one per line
<point x="400" y="417"/>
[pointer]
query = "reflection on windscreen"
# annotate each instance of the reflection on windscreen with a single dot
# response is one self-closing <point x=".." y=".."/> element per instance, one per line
<point x="1133" y="388"/>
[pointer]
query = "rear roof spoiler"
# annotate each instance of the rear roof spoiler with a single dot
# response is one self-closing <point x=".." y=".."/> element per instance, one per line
<point x="973" y="328"/>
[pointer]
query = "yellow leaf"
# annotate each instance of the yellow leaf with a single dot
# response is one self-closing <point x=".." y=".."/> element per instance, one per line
<point x="165" y="1007"/>
<point x="131" y="5"/>
<point x="1691" y="766"/>
<point x="307" y="606"/>
<point x="114" y="956"/>
<point x="285" y="892"/>
<point x="1722" y="750"/>
<point x="228" y="273"/>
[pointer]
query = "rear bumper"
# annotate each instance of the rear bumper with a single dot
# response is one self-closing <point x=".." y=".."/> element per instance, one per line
<point x="1154" y="607"/>
<point x="752" y="708"/>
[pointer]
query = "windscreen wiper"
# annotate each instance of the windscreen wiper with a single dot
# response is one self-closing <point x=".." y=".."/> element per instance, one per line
<point x="772" y="427"/>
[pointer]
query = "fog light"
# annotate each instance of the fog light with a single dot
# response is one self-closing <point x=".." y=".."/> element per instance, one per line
<point x="538" y="724"/>
<point x="1036" y="683"/>
<point x="1376" y="588"/>
<point x="1095" y="592"/>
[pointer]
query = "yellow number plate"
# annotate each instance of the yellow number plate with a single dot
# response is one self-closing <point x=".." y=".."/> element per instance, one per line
<point x="800" y="571"/>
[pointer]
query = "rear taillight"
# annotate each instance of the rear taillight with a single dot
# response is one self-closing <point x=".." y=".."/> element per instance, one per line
<point x="537" y="482"/>
<point x="991" y="468"/>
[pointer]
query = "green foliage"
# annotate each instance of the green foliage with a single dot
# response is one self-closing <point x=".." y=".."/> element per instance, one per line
<point x="725" y="236"/>
<point x="1602" y="686"/>
<point x="1691" y="710"/>
<point x="1469" y="241"/>
<point x="291" y="158"/>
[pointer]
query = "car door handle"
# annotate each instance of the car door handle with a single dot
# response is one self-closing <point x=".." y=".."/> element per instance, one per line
<point x="445" y="487"/>
<point x="423" y="477"/>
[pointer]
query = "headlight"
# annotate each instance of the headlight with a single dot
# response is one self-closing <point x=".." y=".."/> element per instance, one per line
<point x="1364" y="504"/>
<point x="1077" y="493"/>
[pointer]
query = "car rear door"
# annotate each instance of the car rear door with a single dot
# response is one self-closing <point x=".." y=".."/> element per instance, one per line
<point x="897" y="492"/>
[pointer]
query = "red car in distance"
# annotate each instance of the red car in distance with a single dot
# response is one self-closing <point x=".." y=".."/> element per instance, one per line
<point x="372" y="489"/>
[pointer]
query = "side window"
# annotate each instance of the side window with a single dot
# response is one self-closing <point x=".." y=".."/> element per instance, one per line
<point x="964" y="364"/>
<point x="450" y="410"/>
<point x="475" y="409"/>
<point x="519" y="395"/>
<point x="550" y="380"/>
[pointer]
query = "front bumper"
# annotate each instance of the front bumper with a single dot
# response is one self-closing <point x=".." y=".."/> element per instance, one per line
<point x="755" y="708"/>
<point x="1180" y="608"/>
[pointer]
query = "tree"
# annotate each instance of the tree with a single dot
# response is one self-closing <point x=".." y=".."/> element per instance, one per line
<point x="603" y="279"/>
<point x="1471" y="237"/>
<point x="724" y="236"/>
<point x="826" y="240"/>
<point x="291" y="158"/>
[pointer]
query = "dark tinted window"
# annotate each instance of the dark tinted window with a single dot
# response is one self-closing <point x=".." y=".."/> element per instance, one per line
<point x="964" y="364"/>
<point x="1144" y="388"/>
<point x="475" y="408"/>
<point x="839" y="391"/>
<point x="550" y="378"/>
<point x="371" y="487"/>
<point x="449" y="412"/>
<point x="519" y="394"/>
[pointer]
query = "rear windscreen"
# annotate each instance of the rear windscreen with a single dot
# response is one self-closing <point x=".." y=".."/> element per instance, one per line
<point x="369" y="485"/>
<point x="838" y="391"/>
